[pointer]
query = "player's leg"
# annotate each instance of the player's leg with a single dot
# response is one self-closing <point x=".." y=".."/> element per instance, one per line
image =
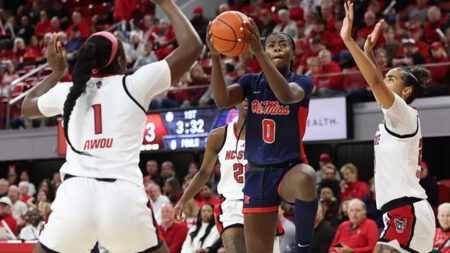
<point x="383" y="248"/>
<point x="127" y="223"/>
<point x="260" y="230"/>
<point x="298" y="186"/>
<point x="233" y="240"/>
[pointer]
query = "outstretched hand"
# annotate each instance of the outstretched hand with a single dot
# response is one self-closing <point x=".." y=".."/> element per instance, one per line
<point x="55" y="54"/>
<point x="208" y="40"/>
<point x="347" y="25"/>
<point x="252" y="37"/>
<point x="373" y="37"/>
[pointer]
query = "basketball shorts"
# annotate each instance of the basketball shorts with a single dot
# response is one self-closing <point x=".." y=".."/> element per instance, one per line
<point x="116" y="213"/>
<point x="409" y="228"/>
<point x="262" y="186"/>
<point x="228" y="214"/>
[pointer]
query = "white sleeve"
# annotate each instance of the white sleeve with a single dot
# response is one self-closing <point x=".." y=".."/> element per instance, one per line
<point x="187" y="244"/>
<point x="211" y="238"/>
<point x="148" y="81"/>
<point x="400" y="118"/>
<point x="52" y="102"/>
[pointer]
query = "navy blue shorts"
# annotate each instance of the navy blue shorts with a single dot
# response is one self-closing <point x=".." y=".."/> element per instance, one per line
<point x="262" y="186"/>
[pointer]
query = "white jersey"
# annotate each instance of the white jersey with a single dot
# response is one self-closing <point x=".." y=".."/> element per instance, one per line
<point x="108" y="121"/>
<point x="233" y="165"/>
<point x="398" y="151"/>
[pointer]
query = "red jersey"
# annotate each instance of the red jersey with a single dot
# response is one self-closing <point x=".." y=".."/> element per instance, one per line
<point x="12" y="223"/>
<point x="440" y="238"/>
<point x="175" y="235"/>
<point x="439" y="73"/>
<point x="42" y="28"/>
<point x="362" y="239"/>
<point x="331" y="82"/>
<point x="356" y="189"/>
<point x="213" y="200"/>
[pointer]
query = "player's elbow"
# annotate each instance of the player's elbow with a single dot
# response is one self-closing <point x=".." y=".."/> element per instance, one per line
<point x="221" y="104"/>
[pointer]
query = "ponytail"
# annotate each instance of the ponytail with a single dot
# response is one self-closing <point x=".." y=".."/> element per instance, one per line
<point x="81" y="74"/>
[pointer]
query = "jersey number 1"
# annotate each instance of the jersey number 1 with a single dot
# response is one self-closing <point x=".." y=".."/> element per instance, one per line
<point x="98" y="118"/>
<point x="268" y="130"/>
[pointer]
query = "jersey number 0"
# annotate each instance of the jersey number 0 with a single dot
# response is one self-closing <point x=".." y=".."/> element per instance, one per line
<point x="268" y="130"/>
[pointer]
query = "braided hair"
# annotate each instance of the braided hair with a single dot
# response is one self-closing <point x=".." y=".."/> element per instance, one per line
<point x="92" y="55"/>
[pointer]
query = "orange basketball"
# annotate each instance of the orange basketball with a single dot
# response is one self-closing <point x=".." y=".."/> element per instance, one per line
<point x="225" y="32"/>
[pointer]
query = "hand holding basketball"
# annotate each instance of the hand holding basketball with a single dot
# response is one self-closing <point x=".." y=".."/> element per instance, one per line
<point x="252" y="36"/>
<point x="208" y="40"/>
<point x="55" y="54"/>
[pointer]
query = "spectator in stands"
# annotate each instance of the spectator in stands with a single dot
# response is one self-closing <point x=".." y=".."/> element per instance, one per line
<point x="319" y="32"/>
<point x="287" y="239"/>
<point x="173" y="190"/>
<point x="186" y="181"/>
<point x="157" y="198"/>
<point x="299" y="63"/>
<point x="295" y="10"/>
<point x="434" y="22"/>
<point x="41" y="197"/>
<point x="381" y="59"/>
<point x="355" y="84"/>
<point x="286" y="25"/>
<point x="391" y="45"/>
<point x="174" y="233"/>
<point x="32" y="229"/>
<point x="10" y="73"/>
<point x="440" y="74"/>
<point x="152" y="172"/>
<point x="330" y="179"/>
<point x="18" y="208"/>
<point x="300" y="35"/>
<point x="12" y="178"/>
<point x="24" y="177"/>
<point x="77" y="20"/>
<point x="203" y="234"/>
<point x="149" y="24"/>
<point x="190" y="212"/>
<point x="43" y="26"/>
<point x="313" y="66"/>
<point x="369" y="21"/>
<point x="6" y="215"/>
<point x="56" y="180"/>
<point x="19" y="49"/>
<point x="324" y="159"/>
<point x="447" y="40"/>
<point x="410" y="56"/>
<point x="414" y="13"/>
<point x="46" y="185"/>
<point x="415" y="32"/>
<point x="335" y="43"/>
<point x="23" y="188"/>
<point x="224" y="7"/>
<point x="429" y="184"/>
<point x="328" y="85"/>
<point x="193" y="168"/>
<point x="372" y="212"/>
<point x="25" y="31"/>
<point x="314" y="48"/>
<point x="197" y="76"/>
<point x="199" y="22"/>
<point x="350" y="186"/>
<point x="358" y="234"/>
<point x="329" y="204"/>
<point x="326" y="11"/>
<point x="135" y="49"/>
<point x="4" y="185"/>
<point x="165" y="40"/>
<point x="206" y="196"/>
<point x="323" y="234"/>
<point x="442" y="237"/>
<point x="55" y="25"/>
<point x="44" y="210"/>
<point x="73" y="45"/>
<point x="33" y="50"/>
<point x="266" y="26"/>
<point x="250" y="61"/>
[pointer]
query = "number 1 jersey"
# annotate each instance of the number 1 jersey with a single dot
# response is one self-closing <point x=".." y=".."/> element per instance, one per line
<point x="108" y="121"/>
<point x="274" y="130"/>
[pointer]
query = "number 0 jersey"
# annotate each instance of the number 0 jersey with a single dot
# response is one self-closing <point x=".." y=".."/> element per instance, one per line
<point x="398" y="151"/>
<point x="233" y="165"/>
<point x="274" y="130"/>
<point x="108" y="121"/>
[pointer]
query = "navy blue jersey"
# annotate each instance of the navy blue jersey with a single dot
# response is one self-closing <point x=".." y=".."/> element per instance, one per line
<point x="274" y="130"/>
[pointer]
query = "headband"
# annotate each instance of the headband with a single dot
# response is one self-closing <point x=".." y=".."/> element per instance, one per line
<point x="114" y="45"/>
<point x="409" y="74"/>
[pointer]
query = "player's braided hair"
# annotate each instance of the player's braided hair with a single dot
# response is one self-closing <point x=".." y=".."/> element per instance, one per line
<point x="93" y="54"/>
<point x="418" y="78"/>
<point x="198" y="225"/>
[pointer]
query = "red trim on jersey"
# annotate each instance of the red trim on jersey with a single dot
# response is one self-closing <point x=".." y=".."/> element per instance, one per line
<point x="159" y="232"/>
<point x="302" y="116"/>
<point x="401" y="225"/>
<point x="269" y="209"/>
<point x="235" y="130"/>
<point x="280" y="229"/>
<point x="415" y="108"/>
<point x="217" y="212"/>
<point x="101" y="76"/>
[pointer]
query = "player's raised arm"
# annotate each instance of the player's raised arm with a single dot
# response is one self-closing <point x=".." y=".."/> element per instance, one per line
<point x="224" y="96"/>
<point x="56" y="60"/>
<point x="215" y="139"/>
<point x="286" y="93"/>
<point x="189" y="44"/>
<point x="370" y="71"/>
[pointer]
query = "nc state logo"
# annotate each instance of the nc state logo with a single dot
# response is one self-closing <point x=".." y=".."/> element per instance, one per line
<point x="400" y="224"/>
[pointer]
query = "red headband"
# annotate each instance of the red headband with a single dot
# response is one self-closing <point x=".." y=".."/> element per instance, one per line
<point x="114" y="45"/>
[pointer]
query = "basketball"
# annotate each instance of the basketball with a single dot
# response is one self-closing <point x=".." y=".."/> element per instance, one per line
<point x="225" y="32"/>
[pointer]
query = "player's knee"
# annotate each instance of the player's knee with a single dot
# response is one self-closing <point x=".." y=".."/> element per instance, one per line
<point x="234" y="243"/>
<point x="307" y="176"/>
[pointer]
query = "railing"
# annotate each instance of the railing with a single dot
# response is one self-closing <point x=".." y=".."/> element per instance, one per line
<point x="12" y="101"/>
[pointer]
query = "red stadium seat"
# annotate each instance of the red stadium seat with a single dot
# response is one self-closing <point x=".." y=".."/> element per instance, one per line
<point x="444" y="191"/>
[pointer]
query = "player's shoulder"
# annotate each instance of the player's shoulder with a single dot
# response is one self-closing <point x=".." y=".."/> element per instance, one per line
<point x="216" y="138"/>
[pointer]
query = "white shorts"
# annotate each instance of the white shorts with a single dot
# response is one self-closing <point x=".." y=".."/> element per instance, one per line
<point x="116" y="214"/>
<point x="409" y="228"/>
<point x="228" y="214"/>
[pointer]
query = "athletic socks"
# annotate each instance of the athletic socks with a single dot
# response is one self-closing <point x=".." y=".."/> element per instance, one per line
<point x="305" y="217"/>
